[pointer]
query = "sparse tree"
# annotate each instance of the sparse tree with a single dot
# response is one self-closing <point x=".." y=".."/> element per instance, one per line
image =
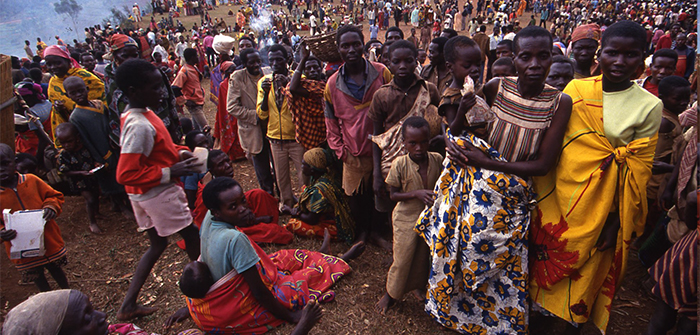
<point x="71" y="9"/>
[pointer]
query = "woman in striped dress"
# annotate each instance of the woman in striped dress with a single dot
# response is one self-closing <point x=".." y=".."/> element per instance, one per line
<point x="477" y="228"/>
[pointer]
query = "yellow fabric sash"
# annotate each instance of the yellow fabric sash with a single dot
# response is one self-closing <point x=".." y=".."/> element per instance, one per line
<point x="569" y="277"/>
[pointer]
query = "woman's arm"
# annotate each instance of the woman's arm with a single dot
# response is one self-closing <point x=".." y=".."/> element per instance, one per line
<point x="547" y="153"/>
<point x="263" y="295"/>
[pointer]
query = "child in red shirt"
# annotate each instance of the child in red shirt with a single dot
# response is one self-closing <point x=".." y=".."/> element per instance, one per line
<point x="148" y="164"/>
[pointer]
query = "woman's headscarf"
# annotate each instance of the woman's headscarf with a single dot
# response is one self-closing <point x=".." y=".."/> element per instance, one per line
<point x="316" y="158"/>
<point x="61" y="51"/>
<point x="119" y="41"/>
<point x="225" y="66"/>
<point x="41" y="314"/>
<point x="591" y="31"/>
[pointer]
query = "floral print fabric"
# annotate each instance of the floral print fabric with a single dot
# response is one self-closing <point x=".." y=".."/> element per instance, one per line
<point x="477" y="235"/>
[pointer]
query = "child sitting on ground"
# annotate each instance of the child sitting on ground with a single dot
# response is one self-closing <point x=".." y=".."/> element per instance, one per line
<point x="148" y="164"/>
<point x="75" y="162"/>
<point x="503" y="67"/>
<point x="411" y="180"/>
<point x="25" y="192"/>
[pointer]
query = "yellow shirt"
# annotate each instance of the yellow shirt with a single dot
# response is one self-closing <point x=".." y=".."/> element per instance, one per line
<point x="280" y="125"/>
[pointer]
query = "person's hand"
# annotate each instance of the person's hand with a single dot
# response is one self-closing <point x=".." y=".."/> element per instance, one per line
<point x="60" y="106"/>
<point x="466" y="103"/>
<point x="183" y="168"/>
<point x="49" y="214"/>
<point x="186" y="154"/>
<point x="50" y="153"/>
<point x="426" y="196"/>
<point x="180" y="315"/>
<point x="476" y="157"/>
<point x="263" y="219"/>
<point x="379" y="186"/>
<point x="266" y="85"/>
<point x="456" y="153"/>
<point x="8" y="234"/>
<point x="666" y="199"/>
<point x="295" y="212"/>
<point x="304" y="51"/>
<point x="608" y="236"/>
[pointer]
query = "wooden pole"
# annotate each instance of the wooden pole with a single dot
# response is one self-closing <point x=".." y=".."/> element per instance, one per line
<point x="7" y="120"/>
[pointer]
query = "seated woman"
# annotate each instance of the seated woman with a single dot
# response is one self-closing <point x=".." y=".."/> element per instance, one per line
<point x="265" y="228"/>
<point x="322" y="205"/>
<point x="252" y="291"/>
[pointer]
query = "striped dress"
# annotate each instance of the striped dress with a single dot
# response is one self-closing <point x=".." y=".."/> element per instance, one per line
<point x="520" y="123"/>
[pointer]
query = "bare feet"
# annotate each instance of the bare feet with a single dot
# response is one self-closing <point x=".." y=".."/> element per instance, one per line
<point x="356" y="250"/>
<point x="326" y="245"/>
<point x="137" y="312"/>
<point x="95" y="229"/>
<point x="385" y="302"/>
<point x="311" y="314"/>
<point x="419" y="294"/>
<point x="379" y="241"/>
<point x="285" y="210"/>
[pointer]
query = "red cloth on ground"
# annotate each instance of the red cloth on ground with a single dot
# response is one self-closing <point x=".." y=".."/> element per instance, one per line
<point x="226" y="126"/>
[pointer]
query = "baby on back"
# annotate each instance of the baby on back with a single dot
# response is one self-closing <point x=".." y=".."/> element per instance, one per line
<point x="196" y="280"/>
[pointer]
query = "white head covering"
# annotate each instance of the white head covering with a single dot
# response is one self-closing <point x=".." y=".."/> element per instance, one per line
<point x="223" y="43"/>
<point x="41" y="314"/>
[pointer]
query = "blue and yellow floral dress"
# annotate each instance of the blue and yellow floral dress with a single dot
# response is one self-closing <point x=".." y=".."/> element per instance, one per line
<point x="477" y="228"/>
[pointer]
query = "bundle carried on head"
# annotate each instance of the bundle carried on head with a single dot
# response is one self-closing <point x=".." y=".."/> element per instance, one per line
<point x="324" y="46"/>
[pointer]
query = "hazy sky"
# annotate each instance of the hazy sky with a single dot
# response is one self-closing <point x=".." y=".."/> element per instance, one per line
<point x="28" y="19"/>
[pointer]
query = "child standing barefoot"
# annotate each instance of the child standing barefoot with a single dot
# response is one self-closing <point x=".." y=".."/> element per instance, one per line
<point x="411" y="180"/>
<point x="24" y="192"/>
<point x="75" y="162"/>
<point x="148" y="164"/>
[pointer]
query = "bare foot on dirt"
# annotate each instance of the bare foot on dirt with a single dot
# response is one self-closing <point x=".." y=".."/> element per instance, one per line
<point x="326" y="245"/>
<point x="356" y="250"/>
<point x="137" y="312"/>
<point x="384" y="303"/>
<point x="310" y="315"/>
<point x="419" y="294"/>
<point x="95" y="229"/>
<point x="380" y="241"/>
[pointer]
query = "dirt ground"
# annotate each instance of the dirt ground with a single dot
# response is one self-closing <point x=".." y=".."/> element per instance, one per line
<point x="102" y="265"/>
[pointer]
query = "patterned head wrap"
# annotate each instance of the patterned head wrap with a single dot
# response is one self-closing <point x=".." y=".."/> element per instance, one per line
<point x="118" y="41"/>
<point x="41" y="314"/>
<point x="61" y="51"/>
<point x="225" y="66"/>
<point x="316" y="158"/>
<point x="591" y="31"/>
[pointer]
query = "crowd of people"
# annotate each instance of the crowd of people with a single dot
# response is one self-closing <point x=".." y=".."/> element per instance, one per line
<point x="510" y="176"/>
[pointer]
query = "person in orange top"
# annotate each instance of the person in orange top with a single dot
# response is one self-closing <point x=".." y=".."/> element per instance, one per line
<point x="188" y="84"/>
<point x="25" y="192"/>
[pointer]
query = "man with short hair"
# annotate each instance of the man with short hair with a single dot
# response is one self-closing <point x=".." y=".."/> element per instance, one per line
<point x="274" y="108"/>
<point x="663" y="64"/>
<point x="242" y="104"/>
<point x="348" y="95"/>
